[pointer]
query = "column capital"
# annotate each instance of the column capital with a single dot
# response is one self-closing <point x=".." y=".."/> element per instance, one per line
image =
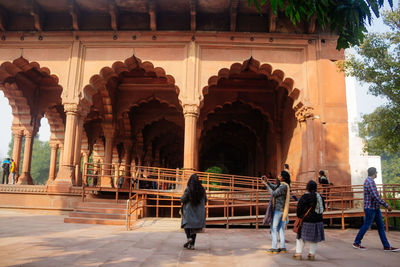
<point x="108" y="130"/>
<point x="53" y="144"/>
<point x="191" y="110"/>
<point x="71" y="108"/>
<point x="29" y="133"/>
<point x="303" y="113"/>
<point x="17" y="132"/>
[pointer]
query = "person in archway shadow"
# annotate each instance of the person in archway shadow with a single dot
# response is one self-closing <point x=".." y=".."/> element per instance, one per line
<point x="281" y="198"/>
<point x="324" y="183"/>
<point x="193" y="210"/>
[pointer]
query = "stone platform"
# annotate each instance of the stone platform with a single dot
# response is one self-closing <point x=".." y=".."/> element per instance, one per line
<point x="33" y="239"/>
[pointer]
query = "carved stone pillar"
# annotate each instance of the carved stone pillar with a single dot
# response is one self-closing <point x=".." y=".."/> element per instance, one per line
<point x="61" y="148"/>
<point x="77" y="151"/>
<point x="17" y="150"/>
<point x="26" y="177"/>
<point x="86" y="155"/>
<point x="305" y="116"/>
<point x="126" y="161"/>
<point x="191" y="113"/>
<point x="66" y="172"/>
<point x="106" y="180"/>
<point x="53" y="162"/>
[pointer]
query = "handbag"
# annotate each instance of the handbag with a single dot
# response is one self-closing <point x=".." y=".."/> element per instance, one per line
<point x="298" y="222"/>
<point x="269" y="213"/>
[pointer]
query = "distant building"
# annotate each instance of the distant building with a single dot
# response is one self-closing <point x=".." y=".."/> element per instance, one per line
<point x="359" y="161"/>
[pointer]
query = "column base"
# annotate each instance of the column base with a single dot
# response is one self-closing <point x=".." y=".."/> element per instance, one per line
<point x="25" y="178"/>
<point x="59" y="187"/>
<point x="106" y="181"/>
<point x="63" y="181"/>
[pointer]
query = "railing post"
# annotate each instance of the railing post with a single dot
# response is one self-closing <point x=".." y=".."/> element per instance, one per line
<point x="227" y="210"/>
<point x="83" y="184"/>
<point x="207" y="206"/>
<point x="394" y="205"/>
<point x="158" y="180"/>
<point x="208" y="182"/>
<point x="128" y="214"/>
<point x="251" y="203"/>
<point x="137" y="206"/>
<point x="341" y="194"/>
<point x="172" y="205"/>
<point x="386" y="211"/>
<point x="130" y="187"/>
<point x="257" y="209"/>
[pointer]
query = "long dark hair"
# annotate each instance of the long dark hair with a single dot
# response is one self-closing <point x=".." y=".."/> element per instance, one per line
<point x="312" y="188"/>
<point x="196" y="189"/>
<point x="286" y="177"/>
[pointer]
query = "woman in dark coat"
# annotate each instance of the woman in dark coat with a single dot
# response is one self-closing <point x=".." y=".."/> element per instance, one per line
<point x="312" y="230"/>
<point x="193" y="211"/>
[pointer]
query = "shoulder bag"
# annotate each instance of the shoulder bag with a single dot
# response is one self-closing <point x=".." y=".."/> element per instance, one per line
<point x="298" y="223"/>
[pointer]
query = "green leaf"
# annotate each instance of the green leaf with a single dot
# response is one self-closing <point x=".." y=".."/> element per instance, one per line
<point x="274" y="5"/>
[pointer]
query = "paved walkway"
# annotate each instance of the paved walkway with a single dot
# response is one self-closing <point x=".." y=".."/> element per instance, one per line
<point x="44" y="240"/>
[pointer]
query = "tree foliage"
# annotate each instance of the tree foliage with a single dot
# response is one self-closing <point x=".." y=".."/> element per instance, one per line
<point x="40" y="163"/>
<point x="390" y="168"/>
<point x="377" y="63"/>
<point x="348" y="18"/>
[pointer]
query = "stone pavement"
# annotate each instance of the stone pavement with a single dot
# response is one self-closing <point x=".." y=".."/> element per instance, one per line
<point x="29" y="239"/>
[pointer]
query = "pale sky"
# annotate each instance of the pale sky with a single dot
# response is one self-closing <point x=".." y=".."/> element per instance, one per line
<point x="366" y="103"/>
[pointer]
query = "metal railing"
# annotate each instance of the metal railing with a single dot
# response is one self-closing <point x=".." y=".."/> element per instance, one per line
<point x="161" y="188"/>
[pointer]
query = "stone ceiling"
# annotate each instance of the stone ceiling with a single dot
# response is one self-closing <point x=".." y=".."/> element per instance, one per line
<point x="143" y="15"/>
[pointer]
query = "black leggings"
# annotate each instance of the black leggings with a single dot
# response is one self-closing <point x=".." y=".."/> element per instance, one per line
<point x="190" y="236"/>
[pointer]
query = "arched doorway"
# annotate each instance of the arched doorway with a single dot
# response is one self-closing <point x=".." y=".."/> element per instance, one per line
<point x="136" y="116"/>
<point x="247" y="119"/>
<point x="33" y="92"/>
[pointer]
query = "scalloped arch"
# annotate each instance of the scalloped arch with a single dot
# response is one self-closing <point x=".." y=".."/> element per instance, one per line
<point x="253" y="65"/>
<point x="248" y="104"/>
<point x="17" y="100"/>
<point x="98" y="82"/>
<point x="8" y="70"/>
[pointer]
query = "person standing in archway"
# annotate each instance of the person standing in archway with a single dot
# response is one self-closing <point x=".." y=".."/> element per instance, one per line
<point x="194" y="200"/>
<point x="6" y="170"/>
<point x="281" y="197"/>
<point x="12" y="171"/>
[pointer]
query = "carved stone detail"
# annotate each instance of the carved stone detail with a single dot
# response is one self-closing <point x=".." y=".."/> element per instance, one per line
<point x="304" y="113"/>
<point x="191" y="110"/>
<point x="71" y="108"/>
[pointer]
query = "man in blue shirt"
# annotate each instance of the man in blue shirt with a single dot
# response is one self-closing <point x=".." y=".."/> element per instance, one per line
<point x="372" y="202"/>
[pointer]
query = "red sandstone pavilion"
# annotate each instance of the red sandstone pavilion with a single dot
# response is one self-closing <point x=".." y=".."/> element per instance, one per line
<point x="173" y="84"/>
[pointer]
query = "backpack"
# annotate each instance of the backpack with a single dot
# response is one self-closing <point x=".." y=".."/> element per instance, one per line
<point x="5" y="166"/>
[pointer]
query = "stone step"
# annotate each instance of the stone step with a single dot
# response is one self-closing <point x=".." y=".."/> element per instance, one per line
<point x="101" y="210"/>
<point x="96" y="215"/>
<point x="94" y="221"/>
<point x="105" y="200"/>
<point x="100" y="205"/>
